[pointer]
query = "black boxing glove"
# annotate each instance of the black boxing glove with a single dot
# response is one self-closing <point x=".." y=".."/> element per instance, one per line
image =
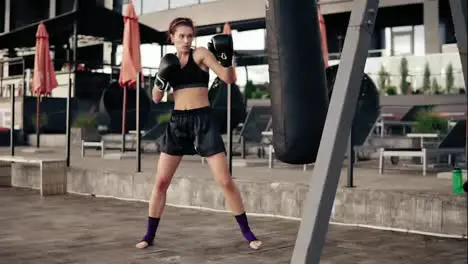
<point x="169" y="68"/>
<point x="222" y="47"/>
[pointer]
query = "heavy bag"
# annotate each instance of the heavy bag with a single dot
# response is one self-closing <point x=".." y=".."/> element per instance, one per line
<point x="218" y="101"/>
<point x="299" y="100"/>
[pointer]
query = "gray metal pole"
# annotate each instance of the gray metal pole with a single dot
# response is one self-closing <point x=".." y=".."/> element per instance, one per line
<point x="350" y="183"/>
<point x="326" y="174"/>
<point x="459" y="17"/>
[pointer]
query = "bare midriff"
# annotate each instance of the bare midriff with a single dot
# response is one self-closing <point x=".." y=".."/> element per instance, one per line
<point x="191" y="98"/>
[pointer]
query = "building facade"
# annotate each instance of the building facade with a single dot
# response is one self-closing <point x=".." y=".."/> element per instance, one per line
<point x="412" y="28"/>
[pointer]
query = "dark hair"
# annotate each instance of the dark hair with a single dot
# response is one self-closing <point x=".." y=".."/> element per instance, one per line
<point x="179" y="21"/>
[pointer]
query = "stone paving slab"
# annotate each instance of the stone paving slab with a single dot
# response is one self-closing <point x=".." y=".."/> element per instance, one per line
<point x="83" y="229"/>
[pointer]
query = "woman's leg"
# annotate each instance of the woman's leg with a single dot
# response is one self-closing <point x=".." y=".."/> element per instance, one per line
<point x="220" y="170"/>
<point x="167" y="165"/>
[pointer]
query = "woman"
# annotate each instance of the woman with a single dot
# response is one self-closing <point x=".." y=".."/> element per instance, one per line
<point x="191" y="129"/>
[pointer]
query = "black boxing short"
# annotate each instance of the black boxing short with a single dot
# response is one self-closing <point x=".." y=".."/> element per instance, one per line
<point x="192" y="132"/>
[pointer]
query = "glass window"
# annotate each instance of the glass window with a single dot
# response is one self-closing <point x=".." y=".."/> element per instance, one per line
<point x="419" y="41"/>
<point x="136" y="3"/>
<point x="400" y="41"/>
<point x="202" y="41"/>
<point x="249" y="40"/>
<point x="154" y="5"/>
<point x="180" y="3"/>
<point x="150" y="55"/>
<point x="402" y="44"/>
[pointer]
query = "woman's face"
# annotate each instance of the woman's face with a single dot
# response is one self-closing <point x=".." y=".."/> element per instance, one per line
<point x="182" y="38"/>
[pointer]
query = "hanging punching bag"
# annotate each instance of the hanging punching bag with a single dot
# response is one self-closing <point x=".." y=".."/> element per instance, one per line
<point x="299" y="100"/>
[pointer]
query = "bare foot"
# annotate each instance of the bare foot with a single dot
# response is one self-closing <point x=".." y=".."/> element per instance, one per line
<point x="142" y="244"/>
<point x="256" y="244"/>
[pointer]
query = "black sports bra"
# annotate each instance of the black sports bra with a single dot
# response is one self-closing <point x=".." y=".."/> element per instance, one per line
<point x="191" y="76"/>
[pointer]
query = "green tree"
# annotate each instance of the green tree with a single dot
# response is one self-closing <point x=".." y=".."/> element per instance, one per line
<point x="383" y="78"/>
<point x="249" y="89"/>
<point x="449" y="80"/>
<point x="426" y="87"/>
<point x="435" y="86"/>
<point x="404" y="84"/>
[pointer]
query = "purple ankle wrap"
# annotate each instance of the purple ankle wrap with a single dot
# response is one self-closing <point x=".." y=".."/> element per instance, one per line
<point x="244" y="226"/>
<point x="151" y="229"/>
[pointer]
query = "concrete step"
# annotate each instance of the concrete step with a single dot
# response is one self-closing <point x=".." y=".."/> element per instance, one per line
<point x="447" y="175"/>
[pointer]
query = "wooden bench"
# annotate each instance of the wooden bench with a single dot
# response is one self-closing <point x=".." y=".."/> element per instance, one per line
<point x="52" y="173"/>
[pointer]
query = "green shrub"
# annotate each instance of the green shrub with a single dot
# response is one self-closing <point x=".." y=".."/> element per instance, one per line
<point x="427" y="122"/>
<point x="391" y="90"/>
<point x="85" y="120"/>
<point x="43" y="120"/>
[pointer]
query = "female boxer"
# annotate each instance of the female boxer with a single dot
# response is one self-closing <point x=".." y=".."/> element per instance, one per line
<point x="191" y="129"/>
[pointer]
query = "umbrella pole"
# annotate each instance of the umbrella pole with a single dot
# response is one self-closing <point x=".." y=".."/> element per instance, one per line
<point x="38" y="119"/>
<point x="138" y="138"/>
<point x="68" y="117"/>
<point x="124" y="111"/>
<point x="229" y="129"/>
<point x="69" y="95"/>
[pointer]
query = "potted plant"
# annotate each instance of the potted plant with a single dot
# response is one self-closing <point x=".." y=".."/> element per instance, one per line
<point x="84" y="128"/>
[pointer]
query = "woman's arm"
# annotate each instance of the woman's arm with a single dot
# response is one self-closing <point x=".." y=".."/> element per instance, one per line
<point x="226" y="74"/>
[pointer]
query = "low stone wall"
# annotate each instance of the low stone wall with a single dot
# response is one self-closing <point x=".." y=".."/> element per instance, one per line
<point x="408" y="210"/>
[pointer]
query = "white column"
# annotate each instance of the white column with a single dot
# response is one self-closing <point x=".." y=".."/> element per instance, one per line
<point x="431" y="26"/>
<point x="52" y="8"/>
<point x="109" y="4"/>
<point x="7" y="15"/>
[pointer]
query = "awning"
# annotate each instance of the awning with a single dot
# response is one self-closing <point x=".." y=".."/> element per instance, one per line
<point x="243" y="25"/>
<point x="250" y="57"/>
<point x="93" y="21"/>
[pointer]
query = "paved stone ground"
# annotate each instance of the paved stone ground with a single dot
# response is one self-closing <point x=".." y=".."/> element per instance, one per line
<point x="77" y="229"/>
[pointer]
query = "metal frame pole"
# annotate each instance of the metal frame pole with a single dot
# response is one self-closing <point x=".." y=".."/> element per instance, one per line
<point x="459" y="17"/>
<point x="326" y="174"/>
<point x="350" y="183"/>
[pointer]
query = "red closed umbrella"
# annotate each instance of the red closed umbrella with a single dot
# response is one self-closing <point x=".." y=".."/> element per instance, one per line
<point x="44" y="79"/>
<point x="323" y="36"/>
<point x="131" y="59"/>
